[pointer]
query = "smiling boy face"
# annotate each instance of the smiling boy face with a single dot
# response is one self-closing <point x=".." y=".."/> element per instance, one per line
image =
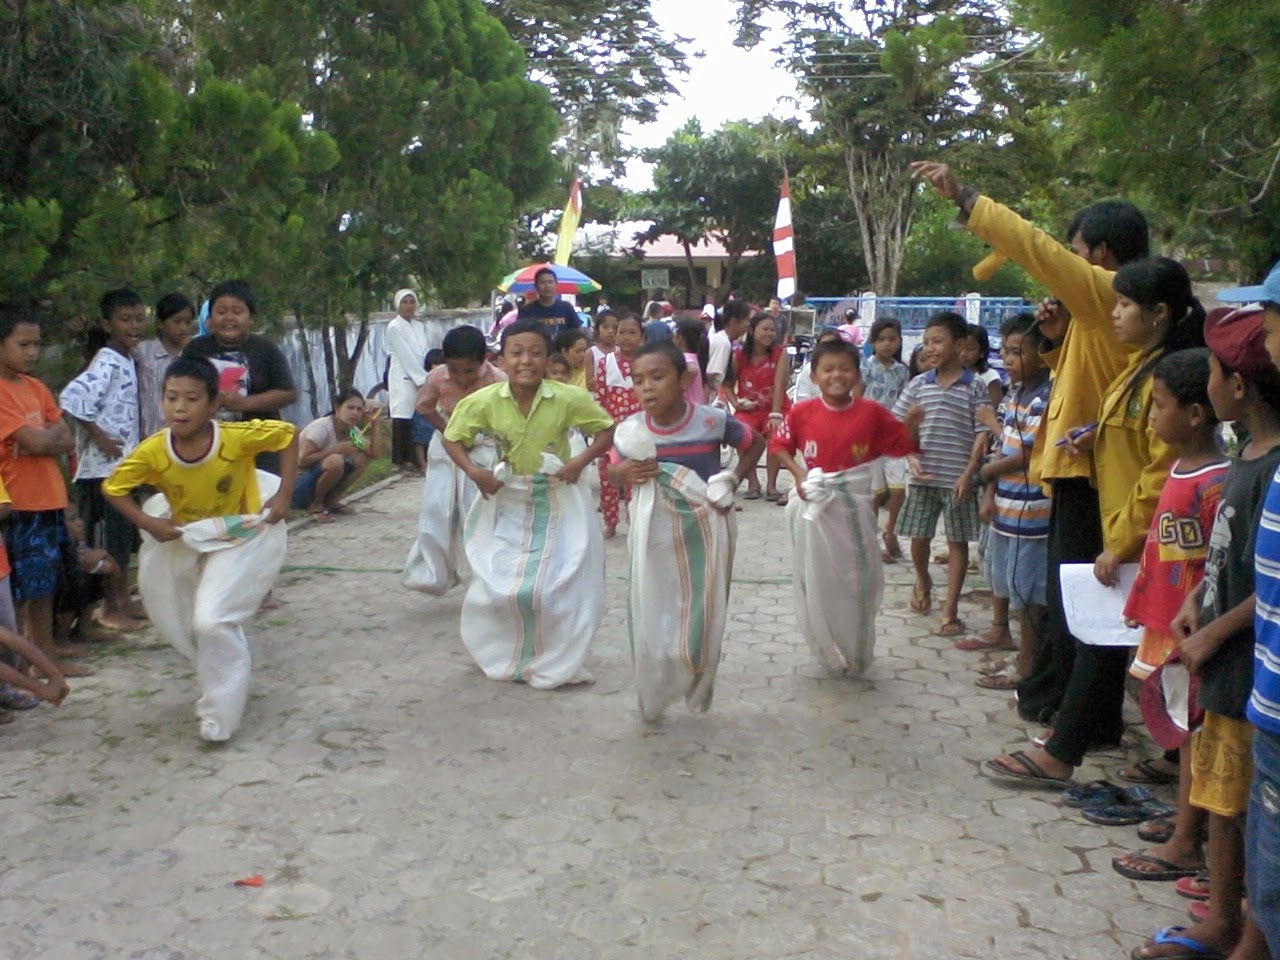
<point x="524" y="357"/>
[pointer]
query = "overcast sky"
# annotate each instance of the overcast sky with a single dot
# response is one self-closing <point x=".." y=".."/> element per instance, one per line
<point x="727" y="84"/>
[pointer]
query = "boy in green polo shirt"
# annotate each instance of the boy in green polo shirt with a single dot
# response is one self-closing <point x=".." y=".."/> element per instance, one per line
<point x="536" y="551"/>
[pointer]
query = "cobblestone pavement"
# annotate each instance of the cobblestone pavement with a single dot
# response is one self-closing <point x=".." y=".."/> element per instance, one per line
<point x="399" y="805"/>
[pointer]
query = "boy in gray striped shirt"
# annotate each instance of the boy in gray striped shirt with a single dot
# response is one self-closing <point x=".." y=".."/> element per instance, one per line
<point x="952" y="441"/>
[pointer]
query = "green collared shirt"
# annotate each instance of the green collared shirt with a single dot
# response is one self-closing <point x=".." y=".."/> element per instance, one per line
<point x="557" y="408"/>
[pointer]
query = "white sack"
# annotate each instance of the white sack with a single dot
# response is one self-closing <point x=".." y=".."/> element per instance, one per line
<point x="536" y="594"/>
<point x="199" y="592"/>
<point x="437" y="559"/>
<point x="838" y="578"/>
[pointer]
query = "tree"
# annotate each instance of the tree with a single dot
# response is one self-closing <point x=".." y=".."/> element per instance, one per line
<point x="1183" y="106"/>
<point x="606" y="64"/>
<point x="440" y="139"/>
<point x="722" y="185"/>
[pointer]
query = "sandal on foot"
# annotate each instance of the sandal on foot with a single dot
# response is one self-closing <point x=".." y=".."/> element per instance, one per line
<point x="989" y="668"/>
<point x="1168" y="869"/>
<point x="980" y="644"/>
<point x="11" y="698"/>
<point x="1195" y="950"/>
<point x="1194" y="888"/>
<point x="342" y="510"/>
<point x="1002" y="680"/>
<point x="951" y="627"/>
<point x="1031" y="771"/>
<point x="1147" y="772"/>
<point x="1157" y="830"/>
<point x="322" y="516"/>
<point x="1198" y="911"/>
<point x="751" y="495"/>
<point x="772" y="496"/>
<point x="922" y="600"/>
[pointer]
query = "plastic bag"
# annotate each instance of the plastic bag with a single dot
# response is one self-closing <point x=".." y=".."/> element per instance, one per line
<point x="681" y="551"/>
<point x="536" y="594"/>
<point x="838" y="577"/>
<point x="199" y="592"/>
<point x="437" y="559"/>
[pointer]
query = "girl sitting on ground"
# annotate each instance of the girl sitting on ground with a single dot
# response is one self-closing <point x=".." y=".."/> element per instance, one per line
<point x="331" y="457"/>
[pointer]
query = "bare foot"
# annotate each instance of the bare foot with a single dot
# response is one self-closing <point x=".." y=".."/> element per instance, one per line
<point x="67" y="650"/>
<point x="70" y="669"/>
<point x="118" y="621"/>
<point x="89" y="630"/>
<point x="610" y="532"/>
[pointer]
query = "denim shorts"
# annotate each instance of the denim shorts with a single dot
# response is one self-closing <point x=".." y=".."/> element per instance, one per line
<point x="304" y="491"/>
<point x="1016" y="568"/>
<point x="1262" y="838"/>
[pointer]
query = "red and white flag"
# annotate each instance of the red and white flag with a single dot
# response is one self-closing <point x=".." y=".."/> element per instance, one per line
<point x="784" y="245"/>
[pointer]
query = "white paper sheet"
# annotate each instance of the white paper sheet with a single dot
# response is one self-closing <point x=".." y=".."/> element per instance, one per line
<point x="1095" y="614"/>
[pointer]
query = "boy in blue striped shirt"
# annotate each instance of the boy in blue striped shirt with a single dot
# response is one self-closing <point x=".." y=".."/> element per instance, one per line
<point x="1262" y="825"/>
<point x="952" y="441"/>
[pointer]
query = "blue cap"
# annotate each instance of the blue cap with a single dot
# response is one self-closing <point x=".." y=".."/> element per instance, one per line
<point x="1269" y="289"/>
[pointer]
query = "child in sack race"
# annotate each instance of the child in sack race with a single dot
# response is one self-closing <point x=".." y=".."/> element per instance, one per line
<point x="683" y="533"/>
<point x="535" y="596"/>
<point x="213" y="540"/>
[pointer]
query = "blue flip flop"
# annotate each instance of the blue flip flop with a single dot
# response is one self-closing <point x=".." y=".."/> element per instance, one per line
<point x="1174" y="935"/>
<point x="1095" y="793"/>
<point x="1125" y="814"/>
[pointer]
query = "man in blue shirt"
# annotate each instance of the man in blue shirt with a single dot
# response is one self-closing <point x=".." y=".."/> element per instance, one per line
<point x="553" y="313"/>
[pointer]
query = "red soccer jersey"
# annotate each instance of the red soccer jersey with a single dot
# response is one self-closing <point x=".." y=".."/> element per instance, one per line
<point x="841" y="438"/>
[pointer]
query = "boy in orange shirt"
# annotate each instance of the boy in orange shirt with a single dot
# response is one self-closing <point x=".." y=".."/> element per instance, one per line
<point x="32" y="438"/>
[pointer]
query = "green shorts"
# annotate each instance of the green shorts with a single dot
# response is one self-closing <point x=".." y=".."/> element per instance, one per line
<point x="920" y="511"/>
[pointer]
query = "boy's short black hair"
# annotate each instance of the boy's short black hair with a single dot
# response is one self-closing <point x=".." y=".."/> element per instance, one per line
<point x="1023" y="323"/>
<point x="663" y="348"/>
<point x="114" y="300"/>
<point x="194" y="368"/>
<point x="540" y="271"/>
<point x="836" y="347"/>
<point x="238" y="289"/>
<point x="565" y="339"/>
<point x="950" y="321"/>
<point x="13" y="315"/>
<point x="465" y="343"/>
<point x="1118" y="224"/>
<point x="435" y="356"/>
<point x="560" y="359"/>
<point x="733" y="310"/>
<point x="525" y="326"/>
<point x="1185" y="374"/>
<point x="172" y="303"/>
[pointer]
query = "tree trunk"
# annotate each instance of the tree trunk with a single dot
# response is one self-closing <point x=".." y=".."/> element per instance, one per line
<point x="308" y="371"/>
<point x="884" y="200"/>
<point x="695" y="288"/>
<point x="730" y="268"/>
<point x="328" y="333"/>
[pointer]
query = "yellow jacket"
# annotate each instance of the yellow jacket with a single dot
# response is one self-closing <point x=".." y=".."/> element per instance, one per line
<point x="1089" y="357"/>
<point x="1131" y="464"/>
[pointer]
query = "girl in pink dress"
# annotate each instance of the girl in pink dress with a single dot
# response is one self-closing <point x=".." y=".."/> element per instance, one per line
<point x="759" y="394"/>
<point x="615" y="393"/>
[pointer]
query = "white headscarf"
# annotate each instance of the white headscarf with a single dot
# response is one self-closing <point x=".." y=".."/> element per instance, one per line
<point x="401" y="294"/>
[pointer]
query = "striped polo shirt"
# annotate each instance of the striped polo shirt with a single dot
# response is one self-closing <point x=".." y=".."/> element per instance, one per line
<point x="949" y="426"/>
<point x="694" y="441"/>
<point x="1264" y="704"/>
<point x="1022" y="509"/>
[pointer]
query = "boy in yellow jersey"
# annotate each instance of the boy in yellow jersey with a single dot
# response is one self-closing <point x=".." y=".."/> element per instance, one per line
<point x="212" y="542"/>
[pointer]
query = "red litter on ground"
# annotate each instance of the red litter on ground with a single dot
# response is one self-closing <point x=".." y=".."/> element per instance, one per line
<point x="255" y="881"/>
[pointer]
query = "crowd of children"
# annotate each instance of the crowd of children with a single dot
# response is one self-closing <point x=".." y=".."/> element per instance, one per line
<point x="1138" y="476"/>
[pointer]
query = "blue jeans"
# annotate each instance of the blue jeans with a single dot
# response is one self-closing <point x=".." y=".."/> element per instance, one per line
<point x="1262" y="839"/>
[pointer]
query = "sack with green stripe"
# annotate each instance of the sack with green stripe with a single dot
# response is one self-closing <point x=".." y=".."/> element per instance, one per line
<point x="838" y="578"/>
<point x="681" y="550"/>
<point x="535" y="597"/>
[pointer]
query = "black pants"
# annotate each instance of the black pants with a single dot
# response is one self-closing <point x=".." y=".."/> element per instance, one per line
<point x="1075" y="536"/>
<point x="402" y="442"/>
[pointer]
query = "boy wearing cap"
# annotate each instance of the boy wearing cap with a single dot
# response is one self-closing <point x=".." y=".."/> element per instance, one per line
<point x="1215" y="627"/>
<point x="1262" y="839"/>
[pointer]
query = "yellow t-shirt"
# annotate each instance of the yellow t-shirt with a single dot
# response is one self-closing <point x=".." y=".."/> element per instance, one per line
<point x="557" y="408"/>
<point x="220" y="484"/>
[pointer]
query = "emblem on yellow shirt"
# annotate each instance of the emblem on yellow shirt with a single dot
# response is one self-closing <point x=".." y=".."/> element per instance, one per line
<point x="224" y="484"/>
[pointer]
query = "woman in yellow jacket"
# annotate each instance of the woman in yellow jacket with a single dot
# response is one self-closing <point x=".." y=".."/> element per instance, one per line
<point x="1157" y="313"/>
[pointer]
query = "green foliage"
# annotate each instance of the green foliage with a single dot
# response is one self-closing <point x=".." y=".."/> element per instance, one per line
<point x="723" y="184"/>
<point x="1184" y="110"/>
